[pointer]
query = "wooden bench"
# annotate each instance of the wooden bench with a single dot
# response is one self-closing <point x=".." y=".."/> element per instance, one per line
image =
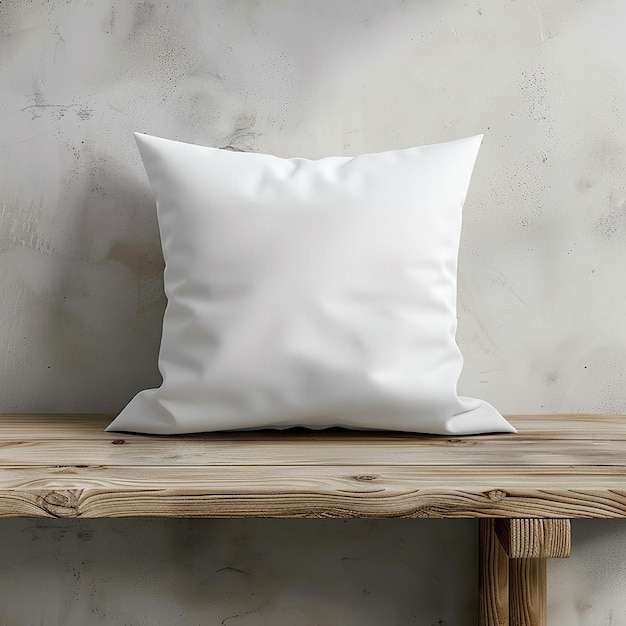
<point x="524" y="487"/>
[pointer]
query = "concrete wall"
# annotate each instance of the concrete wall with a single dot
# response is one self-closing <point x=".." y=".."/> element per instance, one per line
<point x="542" y="286"/>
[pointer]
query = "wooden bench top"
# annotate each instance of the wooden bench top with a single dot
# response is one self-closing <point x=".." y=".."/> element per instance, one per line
<point x="557" y="466"/>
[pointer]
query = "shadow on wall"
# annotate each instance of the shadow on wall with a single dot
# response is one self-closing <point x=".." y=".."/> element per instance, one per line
<point x="83" y="292"/>
<point x="238" y="572"/>
<point x="123" y="273"/>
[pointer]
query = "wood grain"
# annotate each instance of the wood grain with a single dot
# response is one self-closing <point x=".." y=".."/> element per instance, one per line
<point x="68" y="466"/>
<point x="527" y="592"/>
<point x="295" y="491"/>
<point x="493" y="578"/>
<point x="302" y="450"/>
<point x="534" y="538"/>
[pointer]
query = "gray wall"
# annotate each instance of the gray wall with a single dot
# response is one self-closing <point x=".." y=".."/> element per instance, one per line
<point x="542" y="286"/>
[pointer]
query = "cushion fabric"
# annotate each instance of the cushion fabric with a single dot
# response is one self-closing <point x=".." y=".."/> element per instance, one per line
<point x="310" y="293"/>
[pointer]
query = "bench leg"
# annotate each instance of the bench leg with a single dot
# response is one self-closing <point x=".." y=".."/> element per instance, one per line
<point x="527" y="592"/>
<point x="493" y="577"/>
<point x="513" y="555"/>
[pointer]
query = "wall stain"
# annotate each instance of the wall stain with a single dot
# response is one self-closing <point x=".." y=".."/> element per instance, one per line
<point x="552" y="378"/>
<point x="19" y="224"/>
<point x="112" y="20"/>
<point x="145" y="263"/>
<point x="609" y="226"/>
<point x="243" y="137"/>
<point x="84" y="534"/>
<point x="144" y="260"/>
<point x="55" y="111"/>
<point x="232" y="569"/>
<point x="143" y="15"/>
<point x="64" y="338"/>
<point x="242" y="614"/>
<point x="534" y="90"/>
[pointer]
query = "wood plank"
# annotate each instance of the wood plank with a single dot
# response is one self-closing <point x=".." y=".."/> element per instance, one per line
<point x="527" y="592"/>
<point x="609" y="481"/>
<point x="516" y="450"/>
<point x="493" y="578"/>
<point x="535" y="538"/>
<point x="571" y="426"/>
<point x="341" y="492"/>
<point x="47" y="462"/>
<point x="90" y="426"/>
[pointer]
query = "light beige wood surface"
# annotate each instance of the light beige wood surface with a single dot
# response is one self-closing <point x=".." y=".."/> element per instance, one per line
<point x="555" y="467"/>
<point x="534" y="538"/>
<point x="585" y="426"/>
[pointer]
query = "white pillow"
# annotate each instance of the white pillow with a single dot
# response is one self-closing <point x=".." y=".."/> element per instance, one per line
<point x="309" y="293"/>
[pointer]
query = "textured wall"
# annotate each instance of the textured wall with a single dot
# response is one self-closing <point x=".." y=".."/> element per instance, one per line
<point x="542" y="289"/>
